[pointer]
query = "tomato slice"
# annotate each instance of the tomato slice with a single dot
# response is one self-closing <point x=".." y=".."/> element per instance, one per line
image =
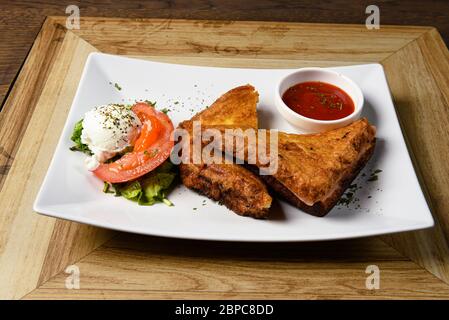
<point x="151" y="129"/>
<point x="151" y="149"/>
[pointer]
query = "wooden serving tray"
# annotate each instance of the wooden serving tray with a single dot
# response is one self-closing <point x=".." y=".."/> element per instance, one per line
<point x="35" y="250"/>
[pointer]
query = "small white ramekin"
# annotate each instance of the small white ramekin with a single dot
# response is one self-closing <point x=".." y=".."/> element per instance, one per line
<point x="309" y="125"/>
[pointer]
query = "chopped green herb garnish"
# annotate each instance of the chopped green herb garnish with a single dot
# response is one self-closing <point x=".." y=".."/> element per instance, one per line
<point x="154" y="152"/>
<point x="151" y="103"/>
<point x="374" y="176"/>
<point x="117" y="86"/>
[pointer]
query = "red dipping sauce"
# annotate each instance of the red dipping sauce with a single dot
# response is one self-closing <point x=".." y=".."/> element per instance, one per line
<point x="318" y="100"/>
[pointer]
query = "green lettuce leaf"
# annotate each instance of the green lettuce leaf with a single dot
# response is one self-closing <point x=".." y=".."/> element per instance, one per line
<point x="76" y="138"/>
<point x="154" y="188"/>
<point x="131" y="190"/>
<point x="151" y="188"/>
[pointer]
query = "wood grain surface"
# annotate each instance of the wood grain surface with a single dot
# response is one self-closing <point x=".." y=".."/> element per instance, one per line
<point x="21" y="20"/>
<point x="35" y="250"/>
<point x="420" y="91"/>
<point x="139" y="267"/>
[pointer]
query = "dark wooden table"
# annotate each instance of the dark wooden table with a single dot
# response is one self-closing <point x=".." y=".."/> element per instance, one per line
<point x="35" y="250"/>
<point x="21" y="20"/>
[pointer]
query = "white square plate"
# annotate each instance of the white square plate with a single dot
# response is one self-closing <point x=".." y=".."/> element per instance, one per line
<point x="393" y="203"/>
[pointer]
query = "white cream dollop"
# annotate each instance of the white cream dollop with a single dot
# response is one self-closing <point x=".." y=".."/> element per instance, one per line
<point x="108" y="130"/>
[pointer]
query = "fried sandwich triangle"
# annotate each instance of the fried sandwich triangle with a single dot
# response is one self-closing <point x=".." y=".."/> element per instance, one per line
<point x="231" y="184"/>
<point x="313" y="170"/>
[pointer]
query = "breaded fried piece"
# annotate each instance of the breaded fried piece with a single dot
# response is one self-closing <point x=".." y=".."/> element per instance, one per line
<point x="234" y="186"/>
<point x="234" y="109"/>
<point x="315" y="169"/>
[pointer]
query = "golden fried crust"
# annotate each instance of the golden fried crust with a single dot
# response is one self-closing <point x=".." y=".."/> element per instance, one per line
<point x="234" y="109"/>
<point x="323" y="205"/>
<point x="315" y="169"/>
<point x="313" y="166"/>
<point x="234" y="186"/>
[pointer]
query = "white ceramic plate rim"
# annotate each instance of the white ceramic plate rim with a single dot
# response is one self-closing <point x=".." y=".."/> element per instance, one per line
<point x="48" y="210"/>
